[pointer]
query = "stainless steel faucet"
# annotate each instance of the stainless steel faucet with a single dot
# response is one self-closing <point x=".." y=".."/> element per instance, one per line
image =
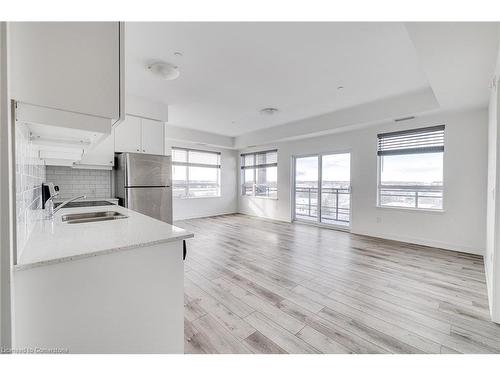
<point x="54" y="210"/>
<point x="51" y="198"/>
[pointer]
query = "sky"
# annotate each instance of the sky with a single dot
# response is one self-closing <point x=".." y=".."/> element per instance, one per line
<point x="420" y="168"/>
<point x="336" y="167"/>
<point x="195" y="174"/>
<point x="423" y="168"/>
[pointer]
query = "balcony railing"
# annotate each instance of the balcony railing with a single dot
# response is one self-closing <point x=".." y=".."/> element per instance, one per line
<point x="196" y="189"/>
<point x="335" y="204"/>
<point x="259" y="190"/>
<point x="424" y="197"/>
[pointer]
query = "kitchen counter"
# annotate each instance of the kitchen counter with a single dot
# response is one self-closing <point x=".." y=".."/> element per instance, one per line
<point x="114" y="286"/>
<point x="54" y="241"/>
<point x="111" y="200"/>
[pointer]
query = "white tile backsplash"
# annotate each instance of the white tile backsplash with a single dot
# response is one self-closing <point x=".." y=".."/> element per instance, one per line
<point x="72" y="182"/>
<point x="30" y="173"/>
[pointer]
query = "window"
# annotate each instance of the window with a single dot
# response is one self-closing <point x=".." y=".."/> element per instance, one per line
<point x="259" y="174"/>
<point x="411" y="168"/>
<point x="196" y="174"/>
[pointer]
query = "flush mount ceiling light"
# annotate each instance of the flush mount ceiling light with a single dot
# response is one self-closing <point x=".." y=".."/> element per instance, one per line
<point x="165" y="70"/>
<point x="268" y="111"/>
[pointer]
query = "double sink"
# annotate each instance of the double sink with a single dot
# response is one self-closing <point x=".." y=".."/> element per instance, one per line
<point x="89" y="217"/>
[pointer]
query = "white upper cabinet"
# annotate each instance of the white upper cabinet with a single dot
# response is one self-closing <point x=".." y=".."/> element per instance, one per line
<point x="102" y="155"/>
<point x="137" y="134"/>
<point x="128" y="135"/>
<point x="153" y="137"/>
<point x="69" y="66"/>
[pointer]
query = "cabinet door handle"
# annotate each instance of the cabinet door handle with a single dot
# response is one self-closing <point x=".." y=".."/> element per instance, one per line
<point x="184" y="250"/>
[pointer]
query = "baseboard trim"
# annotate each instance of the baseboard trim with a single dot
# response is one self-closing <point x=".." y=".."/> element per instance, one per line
<point x="423" y="242"/>
<point x="489" y="287"/>
<point x="204" y="216"/>
<point x="281" y="220"/>
<point x="410" y="240"/>
<point x="324" y="226"/>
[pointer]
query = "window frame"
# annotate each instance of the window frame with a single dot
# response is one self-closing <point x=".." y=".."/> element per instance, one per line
<point x="254" y="167"/>
<point x="440" y="188"/>
<point x="187" y="164"/>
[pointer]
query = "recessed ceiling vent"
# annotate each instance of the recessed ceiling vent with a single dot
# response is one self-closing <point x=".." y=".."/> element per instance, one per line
<point x="268" y="111"/>
<point x="404" y="118"/>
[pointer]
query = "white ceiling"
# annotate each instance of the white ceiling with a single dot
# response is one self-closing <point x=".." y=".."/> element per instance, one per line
<point x="231" y="70"/>
<point x="459" y="59"/>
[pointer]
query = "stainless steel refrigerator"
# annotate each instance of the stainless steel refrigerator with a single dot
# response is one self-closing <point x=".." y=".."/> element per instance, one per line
<point x="143" y="183"/>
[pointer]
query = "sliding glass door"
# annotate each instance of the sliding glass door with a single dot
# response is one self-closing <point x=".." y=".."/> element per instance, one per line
<point x="322" y="189"/>
<point x="306" y="188"/>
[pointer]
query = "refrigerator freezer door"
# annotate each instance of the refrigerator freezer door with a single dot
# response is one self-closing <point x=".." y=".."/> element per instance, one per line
<point x="155" y="202"/>
<point x="147" y="170"/>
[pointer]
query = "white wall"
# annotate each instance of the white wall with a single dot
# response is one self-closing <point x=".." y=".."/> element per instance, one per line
<point x="462" y="224"/>
<point x="5" y="199"/>
<point x="203" y="207"/>
<point x="141" y="107"/>
<point x="491" y="259"/>
<point x="193" y="136"/>
<point x="492" y="190"/>
<point x="350" y="118"/>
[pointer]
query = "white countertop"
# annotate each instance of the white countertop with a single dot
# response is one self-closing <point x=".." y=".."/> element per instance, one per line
<point x="53" y="241"/>
<point x="59" y="200"/>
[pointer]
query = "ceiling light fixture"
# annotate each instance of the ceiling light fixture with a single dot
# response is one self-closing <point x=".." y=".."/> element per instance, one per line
<point x="268" y="111"/>
<point x="404" y="118"/>
<point x="165" y="70"/>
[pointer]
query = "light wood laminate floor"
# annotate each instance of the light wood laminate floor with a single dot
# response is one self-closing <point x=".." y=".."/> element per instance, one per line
<point x="259" y="286"/>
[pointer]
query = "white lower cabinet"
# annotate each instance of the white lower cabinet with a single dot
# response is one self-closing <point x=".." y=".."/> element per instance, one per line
<point x="137" y="134"/>
<point x="122" y="302"/>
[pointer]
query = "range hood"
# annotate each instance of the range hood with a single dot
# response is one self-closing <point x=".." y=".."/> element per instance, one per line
<point x="62" y="137"/>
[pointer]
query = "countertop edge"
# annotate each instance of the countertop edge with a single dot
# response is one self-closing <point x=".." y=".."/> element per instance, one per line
<point x="22" y="267"/>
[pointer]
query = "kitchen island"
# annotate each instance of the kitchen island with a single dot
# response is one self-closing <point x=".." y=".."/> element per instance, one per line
<point x="111" y="286"/>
